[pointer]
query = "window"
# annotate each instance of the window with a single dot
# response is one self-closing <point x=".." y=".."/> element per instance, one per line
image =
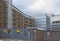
<point x="1" y="19"/>
<point x="31" y="22"/>
<point x="19" y="25"/>
<point x="0" y="16"/>
<point x="19" y="22"/>
<point x="14" y="19"/>
<point x="0" y="24"/>
<point x="56" y="22"/>
<point x="18" y="18"/>
<point x="30" y="25"/>
<point x="53" y="22"/>
<point x="14" y="15"/>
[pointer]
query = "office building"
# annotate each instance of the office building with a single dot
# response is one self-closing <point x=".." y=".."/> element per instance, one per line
<point x="42" y="21"/>
<point x="55" y="22"/>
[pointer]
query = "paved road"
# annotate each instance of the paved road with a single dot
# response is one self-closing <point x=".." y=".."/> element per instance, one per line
<point x="11" y="40"/>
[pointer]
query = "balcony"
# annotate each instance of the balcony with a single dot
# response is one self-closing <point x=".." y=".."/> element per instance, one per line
<point x="1" y="25"/>
<point x="25" y="19"/>
<point x="5" y="5"/>
<point x="14" y="15"/>
<point x="0" y="16"/>
<point x="0" y="3"/>
<point x="19" y="25"/>
<point x="1" y="19"/>
<point x="25" y="22"/>
<point x="14" y="26"/>
<point x="14" y="20"/>
<point x="31" y="23"/>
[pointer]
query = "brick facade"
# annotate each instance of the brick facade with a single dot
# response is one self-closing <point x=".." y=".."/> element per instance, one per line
<point x="1" y="13"/>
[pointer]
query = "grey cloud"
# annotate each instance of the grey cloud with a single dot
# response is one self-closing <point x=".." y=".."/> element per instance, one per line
<point x="23" y="4"/>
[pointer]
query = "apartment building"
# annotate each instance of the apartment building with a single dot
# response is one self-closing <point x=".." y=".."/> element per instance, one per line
<point x="1" y="13"/>
<point x="20" y="22"/>
<point x="13" y="20"/>
<point x="31" y="22"/>
<point x="25" y="22"/>
<point x="17" y="18"/>
<point x="28" y="21"/>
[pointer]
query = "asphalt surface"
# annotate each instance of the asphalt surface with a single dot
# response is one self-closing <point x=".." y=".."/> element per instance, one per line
<point x="11" y="40"/>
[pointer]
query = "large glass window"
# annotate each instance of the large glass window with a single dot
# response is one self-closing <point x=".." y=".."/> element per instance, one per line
<point x="56" y="22"/>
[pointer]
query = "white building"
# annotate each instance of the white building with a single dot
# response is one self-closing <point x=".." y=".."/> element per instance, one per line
<point x="42" y="22"/>
<point x="55" y="22"/>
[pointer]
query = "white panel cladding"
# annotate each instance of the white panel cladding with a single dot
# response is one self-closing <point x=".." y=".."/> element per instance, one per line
<point x="55" y="18"/>
<point x="55" y="22"/>
<point x="10" y="14"/>
<point x="40" y="17"/>
<point x="9" y="9"/>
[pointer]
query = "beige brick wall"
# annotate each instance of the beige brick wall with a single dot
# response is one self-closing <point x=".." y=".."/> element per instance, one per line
<point x="1" y="13"/>
<point x="17" y="19"/>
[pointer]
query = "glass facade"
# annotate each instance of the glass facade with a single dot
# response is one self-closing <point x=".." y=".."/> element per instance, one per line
<point x="41" y="21"/>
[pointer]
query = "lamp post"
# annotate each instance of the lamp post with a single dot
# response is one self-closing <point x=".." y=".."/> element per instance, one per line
<point x="34" y="34"/>
<point x="48" y="33"/>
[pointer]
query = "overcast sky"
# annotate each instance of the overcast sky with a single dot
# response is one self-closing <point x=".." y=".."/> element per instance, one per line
<point x="36" y="7"/>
